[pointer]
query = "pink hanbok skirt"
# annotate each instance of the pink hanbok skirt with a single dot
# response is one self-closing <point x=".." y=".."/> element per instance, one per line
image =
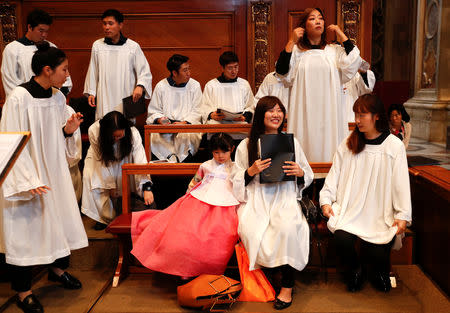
<point x="188" y="238"/>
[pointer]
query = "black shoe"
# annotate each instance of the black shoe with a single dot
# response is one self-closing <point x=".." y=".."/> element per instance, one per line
<point x="100" y="226"/>
<point x="280" y="304"/>
<point x="30" y="304"/>
<point x="382" y="282"/>
<point x="67" y="280"/>
<point x="355" y="281"/>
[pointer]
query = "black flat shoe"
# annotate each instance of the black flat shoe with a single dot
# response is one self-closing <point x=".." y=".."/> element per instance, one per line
<point x="67" y="280"/>
<point x="100" y="226"/>
<point x="30" y="304"/>
<point x="355" y="281"/>
<point x="381" y="282"/>
<point x="280" y="304"/>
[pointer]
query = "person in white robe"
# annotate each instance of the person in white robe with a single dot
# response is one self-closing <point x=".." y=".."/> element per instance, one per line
<point x="74" y="158"/>
<point x="316" y="72"/>
<point x="113" y="143"/>
<point x="227" y="92"/>
<point x="176" y="100"/>
<point x="40" y="219"/>
<point x="106" y="82"/>
<point x="274" y="85"/>
<point x="272" y="226"/>
<point x="17" y="55"/>
<point x="366" y="195"/>
<point x="363" y="82"/>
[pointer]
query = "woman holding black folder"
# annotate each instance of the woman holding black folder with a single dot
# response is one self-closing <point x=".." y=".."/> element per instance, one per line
<point x="271" y="226"/>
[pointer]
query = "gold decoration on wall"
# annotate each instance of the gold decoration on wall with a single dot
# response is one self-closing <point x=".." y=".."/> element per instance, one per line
<point x="8" y="23"/>
<point x="260" y="14"/>
<point x="350" y="13"/>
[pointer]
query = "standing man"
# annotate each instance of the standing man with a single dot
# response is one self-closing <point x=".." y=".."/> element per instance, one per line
<point x="176" y="100"/>
<point x="118" y="68"/>
<point x="16" y="61"/>
<point x="228" y="92"/>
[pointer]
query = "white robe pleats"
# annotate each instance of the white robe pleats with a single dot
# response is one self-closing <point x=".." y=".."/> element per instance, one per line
<point x="272" y="226"/>
<point x="355" y="88"/>
<point x="39" y="229"/>
<point x="274" y="85"/>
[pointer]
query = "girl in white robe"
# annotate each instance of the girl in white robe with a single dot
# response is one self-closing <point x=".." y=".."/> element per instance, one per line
<point x="316" y="72"/>
<point x="366" y="195"/>
<point x="113" y="143"/>
<point x="41" y="222"/>
<point x="271" y="224"/>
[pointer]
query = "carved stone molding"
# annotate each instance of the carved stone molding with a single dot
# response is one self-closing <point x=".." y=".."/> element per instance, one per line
<point x="430" y="57"/>
<point x="260" y="17"/>
<point x="350" y="12"/>
<point x="8" y="22"/>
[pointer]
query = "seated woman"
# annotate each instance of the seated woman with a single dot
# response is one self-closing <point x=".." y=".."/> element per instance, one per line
<point x="113" y="143"/>
<point x="271" y="224"/>
<point x="399" y="123"/>
<point x="366" y="195"/>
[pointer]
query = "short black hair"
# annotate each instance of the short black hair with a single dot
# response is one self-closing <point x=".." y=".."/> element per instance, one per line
<point x="400" y="109"/>
<point x="37" y="17"/>
<point x="228" y="57"/>
<point x="175" y="61"/>
<point x="46" y="55"/>
<point x="221" y="141"/>
<point x="114" y="13"/>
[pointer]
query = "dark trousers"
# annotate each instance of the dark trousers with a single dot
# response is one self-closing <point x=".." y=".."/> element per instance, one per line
<point x="21" y="276"/>
<point x="287" y="275"/>
<point x="377" y="256"/>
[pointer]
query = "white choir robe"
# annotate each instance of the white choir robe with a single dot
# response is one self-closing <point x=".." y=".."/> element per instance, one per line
<point x="367" y="191"/>
<point x="274" y="85"/>
<point x="114" y="72"/>
<point x="355" y="88"/>
<point x="39" y="229"/>
<point x="233" y="97"/>
<point x="316" y="113"/>
<point x="16" y="66"/>
<point x="176" y="103"/>
<point x="74" y="157"/>
<point x="98" y="179"/>
<point x="272" y="226"/>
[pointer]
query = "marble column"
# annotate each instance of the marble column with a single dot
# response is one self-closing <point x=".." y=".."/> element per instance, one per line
<point x="430" y="107"/>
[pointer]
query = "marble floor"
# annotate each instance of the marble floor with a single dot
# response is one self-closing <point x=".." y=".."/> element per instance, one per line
<point x="426" y="153"/>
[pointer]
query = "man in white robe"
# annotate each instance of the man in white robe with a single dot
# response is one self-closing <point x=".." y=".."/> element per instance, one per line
<point x="17" y="55"/>
<point x="228" y="92"/>
<point x="274" y="85"/>
<point x="176" y="100"/>
<point x="106" y="82"/>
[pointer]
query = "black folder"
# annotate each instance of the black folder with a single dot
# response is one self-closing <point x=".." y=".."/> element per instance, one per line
<point x="132" y="109"/>
<point x="280" y="148"/>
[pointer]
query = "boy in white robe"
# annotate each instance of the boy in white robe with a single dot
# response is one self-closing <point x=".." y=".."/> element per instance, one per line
<point x="274" y="85"/>
<point x="176" y="100"/>
<point x="228" y="92"/>
<point x="16" y="58"/>
<point x="107" y="83"/>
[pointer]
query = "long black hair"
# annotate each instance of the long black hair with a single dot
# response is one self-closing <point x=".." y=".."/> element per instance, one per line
<point x="108" y="125"/>
<point x="304" y="42"/>
<point x="46" y="56"/>
<point x="258" y="128"/>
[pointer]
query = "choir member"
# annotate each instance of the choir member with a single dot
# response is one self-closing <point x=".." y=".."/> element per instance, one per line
<point x="316" y="70"/>
<point x="118" y="68"/>
<point x="176" y="100"/>
<point x="41" y="222"/>
<point x="274" y="85"/>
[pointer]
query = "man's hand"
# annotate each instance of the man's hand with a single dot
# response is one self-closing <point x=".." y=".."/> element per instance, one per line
<point x="91" y="100"/>
<point x="401" y="226"/>
<point x="239" y="119"/>
<point x="73" y="123"/>
<point x="327" y="211"/>
<point x="137" y="93"/>
<point x="217" y="116"/>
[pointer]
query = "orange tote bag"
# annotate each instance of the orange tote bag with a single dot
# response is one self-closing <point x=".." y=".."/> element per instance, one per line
<point x="255" y="286"/>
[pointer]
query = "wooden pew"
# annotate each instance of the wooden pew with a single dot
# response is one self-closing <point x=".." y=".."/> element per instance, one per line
<point x="120" y="227"/>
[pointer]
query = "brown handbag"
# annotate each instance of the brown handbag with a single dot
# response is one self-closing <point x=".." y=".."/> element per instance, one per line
<point x="214" y="292"/>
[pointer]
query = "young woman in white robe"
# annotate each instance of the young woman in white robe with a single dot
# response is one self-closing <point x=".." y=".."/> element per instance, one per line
<point x="41" y="222"/>
<point x="113" y="143"/>
<point x="316" y="72"/>
<point x="271" y="224"/>
<point x="366" y="195"/>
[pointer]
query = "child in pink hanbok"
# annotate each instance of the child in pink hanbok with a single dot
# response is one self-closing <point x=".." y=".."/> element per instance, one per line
<point x="197" y="233"/>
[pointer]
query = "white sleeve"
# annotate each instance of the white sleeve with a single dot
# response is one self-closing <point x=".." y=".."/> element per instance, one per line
<point x="263" y="89"/>
<point x="68" y="83"/>
<point x="401" y="194"/>
<point x="348" y="65"/>
<point x="9" y="69"/>
<point x="238" y="172"/>
<point x="23" y="175"/>
<point x="73" y="143"/>
<point x="249" y="99"/>
<point x="91" y="81"/>
<point x="208" y="105"/>
<point x="195" y="115"/>
<point x="361" y="85"/>
<point x="143" y="73"/>
<point x="329" y="191"/>
<point x="304" y="165"/>
<point x="155" y="108"/>
<point x="293" y="64"/>
<point x="139" y="157"/>
<point x="408" y="130"/>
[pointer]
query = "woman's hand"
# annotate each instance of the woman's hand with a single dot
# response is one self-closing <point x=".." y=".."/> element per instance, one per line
<point x="293" y="169"/>
<point x="91" y="100"/>
<point x="340" y="36"/>
<point x="73" y="123"/>
<point x="327" y="211"/>
<point x="137" y="93"/>
<point x="39" y="190"/>
<point x="258" y="166"/>
<point x="148" y="197"/>
<point x="401" y="226"/>
<point x="296" y="34"/>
